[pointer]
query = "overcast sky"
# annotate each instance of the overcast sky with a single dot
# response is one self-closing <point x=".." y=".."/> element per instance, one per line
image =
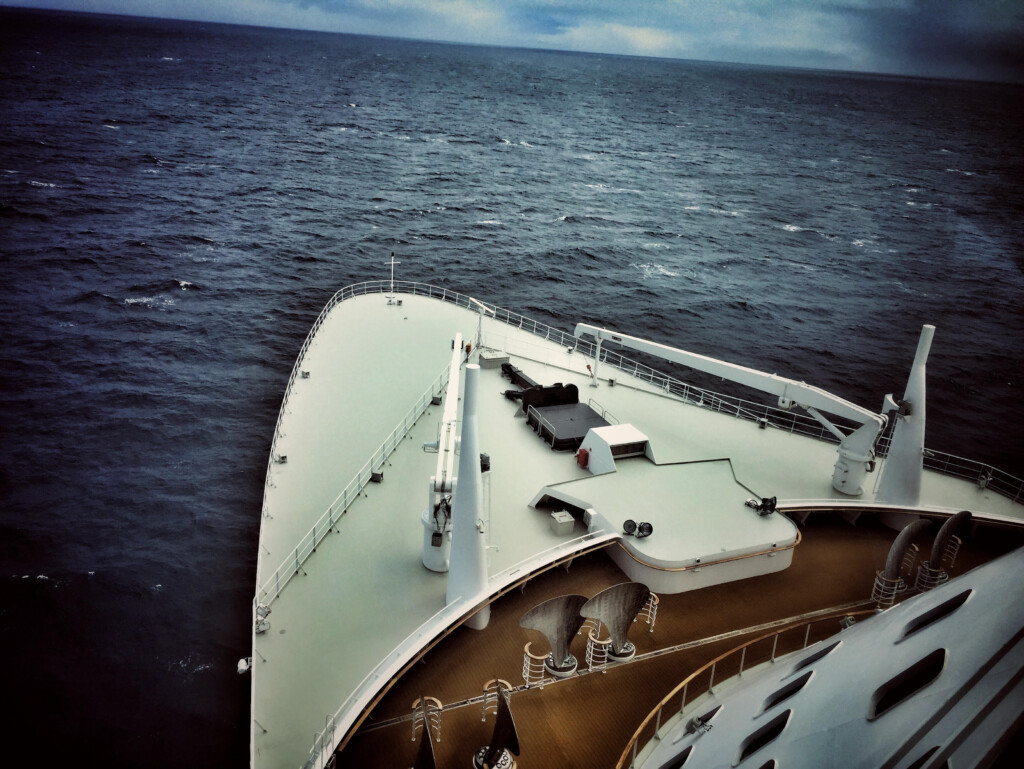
<point x="978" y="39"/>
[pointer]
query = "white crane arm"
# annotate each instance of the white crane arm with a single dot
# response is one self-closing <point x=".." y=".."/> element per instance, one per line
<point x="789" y="391"/>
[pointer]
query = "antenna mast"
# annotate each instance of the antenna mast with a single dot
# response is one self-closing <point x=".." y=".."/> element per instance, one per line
<point x="391" y="292"/>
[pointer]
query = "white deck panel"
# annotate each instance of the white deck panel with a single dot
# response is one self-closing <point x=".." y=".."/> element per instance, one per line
<point x="976" y="695"/>
<point x="697" y="510"/>
<point x="365" y="590"/>
<point x="361" y="594"/>
<point x="360" y="386"/>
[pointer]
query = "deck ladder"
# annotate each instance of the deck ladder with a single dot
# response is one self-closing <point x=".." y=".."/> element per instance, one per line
<point x="533" y="668"/>
<point x="885" y="590"/>
<point x="649" y="613"/>
<point x="928" y="577"/>
<point x="426" y="712"/>
<point x="589" y="624"/>
<point x="951" y="552"/>
<point x="492" y="690"/>
<point x="597" y="651"/>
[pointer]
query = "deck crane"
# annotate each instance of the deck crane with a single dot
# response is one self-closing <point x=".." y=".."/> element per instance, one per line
<point x="856" y="449"/>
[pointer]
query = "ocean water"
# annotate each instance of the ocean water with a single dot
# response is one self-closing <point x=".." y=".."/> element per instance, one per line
<point x="179" y="201"/>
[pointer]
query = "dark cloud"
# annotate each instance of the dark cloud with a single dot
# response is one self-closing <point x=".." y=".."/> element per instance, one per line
<point x="807" y="57"/>
<point x="982" y="39"/>
<point x="541" y="21"/>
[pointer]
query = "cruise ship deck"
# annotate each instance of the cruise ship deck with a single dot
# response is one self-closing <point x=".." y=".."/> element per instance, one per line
<point x="588" y="720"/>
<point x="340" y="571"/>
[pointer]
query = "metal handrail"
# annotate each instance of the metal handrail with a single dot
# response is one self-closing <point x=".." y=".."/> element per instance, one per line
<point x="629" y="754"/>
<point x="948" y="464"/>
<point x="542" y="422"/>
<point x="274" y="584"/>
<point x="984" y="475"/>
<point x="606" y="415"/>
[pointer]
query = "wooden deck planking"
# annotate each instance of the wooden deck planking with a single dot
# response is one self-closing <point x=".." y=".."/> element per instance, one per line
<point x="587" y="720"/>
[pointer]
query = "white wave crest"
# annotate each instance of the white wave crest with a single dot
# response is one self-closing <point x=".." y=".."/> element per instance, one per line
<point x="653" y="270"/>
<point x="189" y="666"/>
<point x="150" y="301"/>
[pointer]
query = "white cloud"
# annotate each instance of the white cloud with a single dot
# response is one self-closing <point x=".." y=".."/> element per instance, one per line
<point x="617" y="38"/>
<point x="917" y="36"/>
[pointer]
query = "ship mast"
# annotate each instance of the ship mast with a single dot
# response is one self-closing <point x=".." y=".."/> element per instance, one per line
<point x="391" y="289"/>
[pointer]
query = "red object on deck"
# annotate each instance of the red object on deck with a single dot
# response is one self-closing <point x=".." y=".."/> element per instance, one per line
<point x="583" y="458"/>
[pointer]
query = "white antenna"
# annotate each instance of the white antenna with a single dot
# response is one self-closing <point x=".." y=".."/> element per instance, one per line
<point x="391" y="294"/>
<point x="484" y="309"/>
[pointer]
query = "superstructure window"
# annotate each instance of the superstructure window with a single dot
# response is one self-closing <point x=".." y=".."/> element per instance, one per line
<point x="908" y="683"/>
<point x="678" y="761"/>
<point x="920" y="762"/>
<point x="810" y="659"/>
<point x="707" y="716"/>
<point x="786" y="691"/>
<point x="764" y="735"/>
<point x="935" y="614"/>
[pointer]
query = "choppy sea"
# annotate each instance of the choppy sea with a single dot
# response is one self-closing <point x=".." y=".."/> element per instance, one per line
<point x="179" y="201"/>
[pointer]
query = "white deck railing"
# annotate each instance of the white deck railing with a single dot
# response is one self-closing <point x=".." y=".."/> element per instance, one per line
<point x="983" y="474"/>
<point x="291" y="565"/>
